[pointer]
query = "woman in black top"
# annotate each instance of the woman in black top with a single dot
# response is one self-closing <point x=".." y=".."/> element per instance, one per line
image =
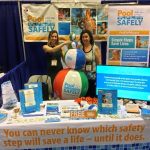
<point x="54" y="53"/>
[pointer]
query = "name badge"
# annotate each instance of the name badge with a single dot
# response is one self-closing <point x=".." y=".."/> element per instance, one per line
<point x="54" y="62"/>
<point x="88" y="67"/>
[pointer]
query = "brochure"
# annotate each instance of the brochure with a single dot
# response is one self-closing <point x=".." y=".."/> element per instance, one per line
<point x="29" y="100"/>
<point x="107" y="101"/>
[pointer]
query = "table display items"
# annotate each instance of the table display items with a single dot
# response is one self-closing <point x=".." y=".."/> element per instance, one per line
<point x="53" y="118"/>
<point x="145" y="113"/>
<point x="9" y="97"/>
<point x="16" y="111"/>
<point x="70" y="84"/>
<point x="132" y="108"/>
<point x="3" y="115"/>
<point x="29" y="100"/>
<point x="107" y="101"/>
<point x="52" y="109"/>
<point x="66" y="109"/>
<point x="83" y="108"/>
<point x="38" y="87"/>
<point x="75" y="59"/>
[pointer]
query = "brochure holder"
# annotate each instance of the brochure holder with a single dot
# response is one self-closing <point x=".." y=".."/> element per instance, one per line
<point x="29" y="100"/>
<point x="107" y="101"/>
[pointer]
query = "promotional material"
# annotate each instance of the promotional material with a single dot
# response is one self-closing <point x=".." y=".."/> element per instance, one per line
<point x="130" y="82"/>
<point x="29" y="100"/>
<point x="76" y="133"/>
<point x="68" y="19"/>
<point x="83" y="114"/>
<point x="75" y="59"/>
<point x="107" y="101"/>
<point x="52" y="109"/>
<point x="38" y="20"/>
<point x="70" y="84"/>
<point x="38" y="86"/>
<point x="128" y="40"/>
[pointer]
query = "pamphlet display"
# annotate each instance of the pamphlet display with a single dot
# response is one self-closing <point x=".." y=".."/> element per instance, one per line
<point x="38" y="86"/>
<point x="107" y="101"/>
<point x="29" y="100"/>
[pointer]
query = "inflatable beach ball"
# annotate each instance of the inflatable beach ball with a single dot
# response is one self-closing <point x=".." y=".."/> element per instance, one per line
<point x="70" y="84"/>
<point x="72" y="36"/>
<point x="75" y="59"/>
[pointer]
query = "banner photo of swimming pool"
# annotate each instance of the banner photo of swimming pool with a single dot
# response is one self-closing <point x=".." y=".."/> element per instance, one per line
<point x="39" y="19"/>
<point x="128" y="36"/>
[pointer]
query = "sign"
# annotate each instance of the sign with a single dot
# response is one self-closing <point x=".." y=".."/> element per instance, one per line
<point x="128" y="42"/>
<point x="87" y="132"/>
<point x="38" y="20"/>
<point x="83" y="114"/>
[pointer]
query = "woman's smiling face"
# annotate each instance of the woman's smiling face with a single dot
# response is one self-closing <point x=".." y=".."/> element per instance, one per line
<point x="85" y="38"/>
<point x="54" y="38"/>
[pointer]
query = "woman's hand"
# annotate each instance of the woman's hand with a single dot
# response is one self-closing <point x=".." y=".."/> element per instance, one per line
<point x="67" y="42"/>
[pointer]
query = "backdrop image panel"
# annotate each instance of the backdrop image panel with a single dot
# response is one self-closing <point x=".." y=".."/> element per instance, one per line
<point x="128" y="41"/>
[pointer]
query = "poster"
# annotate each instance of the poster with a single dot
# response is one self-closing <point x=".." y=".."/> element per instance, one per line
<point x="76" y="133"/>
<point x="128" y="41"/>
<point x="39" y="19"/>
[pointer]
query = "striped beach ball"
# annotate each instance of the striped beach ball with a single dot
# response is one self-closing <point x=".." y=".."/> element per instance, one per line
<point x="72" y="36"/>
<point x="75" y="59"/>
<point x="70" y="84"/>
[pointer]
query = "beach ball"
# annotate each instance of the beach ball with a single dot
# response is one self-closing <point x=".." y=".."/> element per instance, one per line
<point x="75" y="59"/>
<point x="72" y="36"/>
<point x="74" y="44"/>
<point x="70" y="84"/>
<point x="93" y="107"/>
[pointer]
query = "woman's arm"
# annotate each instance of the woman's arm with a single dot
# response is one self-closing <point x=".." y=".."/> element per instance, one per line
<point x="49" y="49"/>
<point x="98" y="56"/>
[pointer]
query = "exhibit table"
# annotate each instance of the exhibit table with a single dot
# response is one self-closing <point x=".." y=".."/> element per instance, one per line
<point x="105" y="132"/>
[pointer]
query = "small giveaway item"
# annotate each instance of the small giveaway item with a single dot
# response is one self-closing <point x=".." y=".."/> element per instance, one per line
<point x="107" y="101"/>
<point x="52" y="109"/>
<point x="53" y="118"/>
<point x="132" y="108"/>
<point x="145" y="113"/>
<point x="8" y="95"/>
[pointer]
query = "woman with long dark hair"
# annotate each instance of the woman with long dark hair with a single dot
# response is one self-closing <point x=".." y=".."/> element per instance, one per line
<point x="54" y="53"/>
<point x="93" y="58"/>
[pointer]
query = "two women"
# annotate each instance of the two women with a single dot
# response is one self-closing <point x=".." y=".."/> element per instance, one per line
<point x="54" y="51"/>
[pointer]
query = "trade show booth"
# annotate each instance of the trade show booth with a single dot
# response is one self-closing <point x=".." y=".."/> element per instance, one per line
<point x="38" y="112"/>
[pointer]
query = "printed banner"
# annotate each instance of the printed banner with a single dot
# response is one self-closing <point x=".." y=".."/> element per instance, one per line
<point x="128" y="41"/>
<point x="78" y="133"/>
<point x="38" y="20"/>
